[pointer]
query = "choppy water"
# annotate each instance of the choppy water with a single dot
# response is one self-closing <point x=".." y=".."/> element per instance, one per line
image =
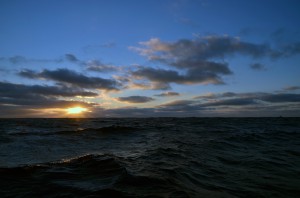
<point x="151" y="157"/>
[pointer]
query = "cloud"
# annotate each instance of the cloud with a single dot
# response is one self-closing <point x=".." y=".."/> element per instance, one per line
<point x="167" y="94"/>
<point x="179" y="105"/>
<point x="286" y="50"/>
<point x="228" y="98"/>
<point x="40" y="102"/>
<point x="230" y="95"/>
<point x="207" y="96"/>
<point x="18" y="59"/>
<point x="71" y="58"/>
<point x="28" y="73"/>
<point x="22" y="108"/>
<point x="72" y="78"/>
<point x="23" y="100"/>
<point x="291" y="88"/>
<point x="193" y="76"/>
<point x="202" y="48"/>
<point x="257" y="66"/>
<point x="231" y="102"/>
<point x="281" y="98"/>
<point x="151" y="85"/>
<point x="202" y="58"/>
<point x="135" y="99"/>
<point x="97" y="66"/>
<point x="30" y="91"/>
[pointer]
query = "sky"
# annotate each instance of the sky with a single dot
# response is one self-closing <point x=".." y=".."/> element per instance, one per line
<point x="96" y="58"/>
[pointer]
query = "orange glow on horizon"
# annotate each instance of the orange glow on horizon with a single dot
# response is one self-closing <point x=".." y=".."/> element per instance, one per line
<point x="76" y="110"/>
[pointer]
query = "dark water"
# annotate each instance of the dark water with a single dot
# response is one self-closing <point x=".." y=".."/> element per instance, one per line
<point x="153" y="157"/>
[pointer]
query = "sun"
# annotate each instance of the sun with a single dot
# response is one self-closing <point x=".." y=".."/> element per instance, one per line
<point x="76" y="110"/>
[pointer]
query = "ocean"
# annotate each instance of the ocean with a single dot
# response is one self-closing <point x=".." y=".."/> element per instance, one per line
<point x="150" y="157"/>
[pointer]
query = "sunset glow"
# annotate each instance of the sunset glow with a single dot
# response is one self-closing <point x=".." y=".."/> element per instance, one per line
<point x="76" y="110"/>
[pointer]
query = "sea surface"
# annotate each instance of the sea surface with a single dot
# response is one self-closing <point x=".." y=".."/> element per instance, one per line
<point x="150" y="157"/>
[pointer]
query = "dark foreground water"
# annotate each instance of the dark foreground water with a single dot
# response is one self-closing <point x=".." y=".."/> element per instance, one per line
<point x="153" y="157"/>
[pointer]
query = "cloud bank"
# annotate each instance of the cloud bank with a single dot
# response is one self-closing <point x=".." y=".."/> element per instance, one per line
<point x="72" y="78"/>
<point x="135" y="99"/>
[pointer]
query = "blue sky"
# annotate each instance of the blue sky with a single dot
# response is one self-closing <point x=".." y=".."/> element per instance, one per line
<point x="149" y="58"/>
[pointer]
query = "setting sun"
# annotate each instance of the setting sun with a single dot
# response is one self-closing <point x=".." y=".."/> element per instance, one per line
<point x="76" y="110"/>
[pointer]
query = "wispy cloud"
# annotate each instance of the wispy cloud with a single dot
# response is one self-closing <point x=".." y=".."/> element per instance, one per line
<point x="98" y="66"/>
<point x="252" y="97"/>
<point x="135" y="99"/>
<point x="18" y="59"/>
<point x="167" y="94"/>
<point x="71" y="57"/>
<point x="257" y="66"/>
<point x="291" y="88"/>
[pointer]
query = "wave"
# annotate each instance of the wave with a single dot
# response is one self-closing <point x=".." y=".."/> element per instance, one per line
<point x="84" y="176"/>
<point x="103" y="130"/>
<point x="79" y="131"/>
<point x="89" y="174"/>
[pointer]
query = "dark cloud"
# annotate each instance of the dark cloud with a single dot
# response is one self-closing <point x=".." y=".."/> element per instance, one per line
<point x="40" y="102"/>
<point x="72" y="78"/>
<point x="216" y="96"/>
<point x="178" y="103"/>
<point x="204" y="66"/>
<point x="31" y="91"/>
<point x="225" y="95"/>
<point x="231" y="102"/>
<point x="248" y="98"/>
<point x="42" y="108"/>
<point x="159" y="75"/>
<point x="96" y="65"/>
<point x="193" y="76"/>
<point x="28" y="73"/>
<point x="203" y="48"/>
<point x="202" y="59"/>
<point x="26" y="100"/>
<point x="167" y="94"/>
<point x="286" y="50"/>
<point x="257" y="66"/>
<point x="184" y="107"/>
<point x="291" y="88"/>
<point x="151" y="85"/>
<point x="135" y="99"/>
<point x="71" y="58"/>
<point x="281" y="98"/>
<point x="228" y="94"/>
<point x="207" y="96"/>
